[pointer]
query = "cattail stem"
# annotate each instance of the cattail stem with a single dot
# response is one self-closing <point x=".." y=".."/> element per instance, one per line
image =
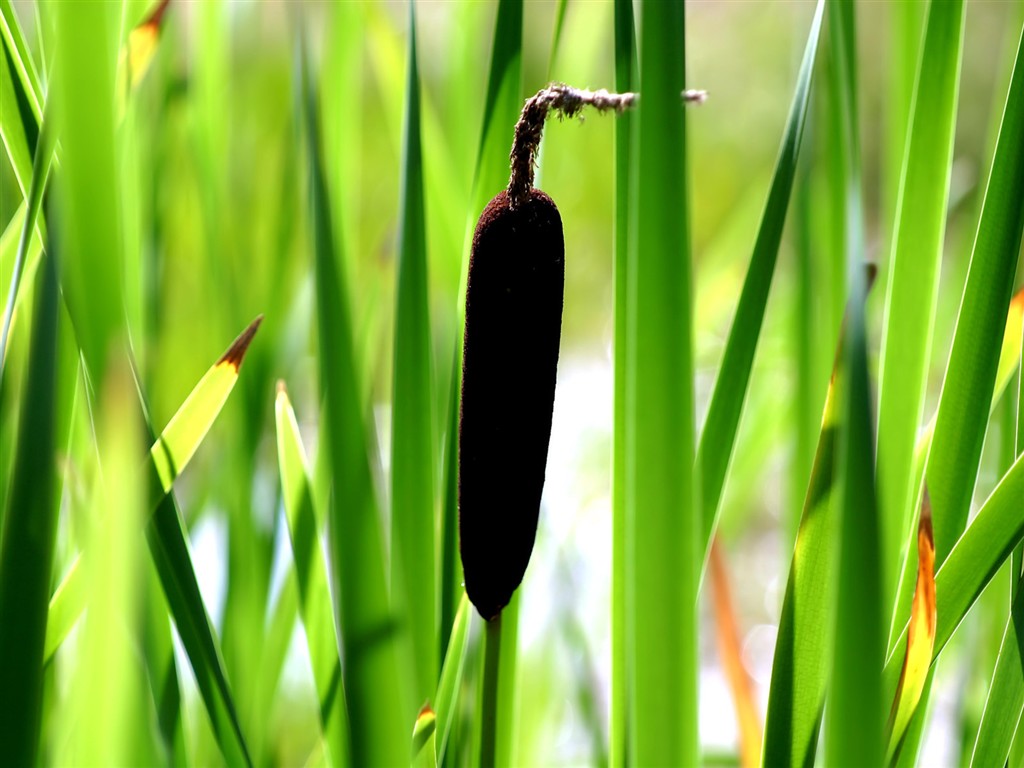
<point x="567" y="102"/>
<point x="489" y="705"/>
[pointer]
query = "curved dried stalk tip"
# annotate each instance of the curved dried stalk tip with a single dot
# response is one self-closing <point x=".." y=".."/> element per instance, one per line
<point x="567" y="102"/>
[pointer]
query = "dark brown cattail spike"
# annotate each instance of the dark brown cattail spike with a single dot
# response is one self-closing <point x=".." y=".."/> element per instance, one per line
<point x="513" y="324"/>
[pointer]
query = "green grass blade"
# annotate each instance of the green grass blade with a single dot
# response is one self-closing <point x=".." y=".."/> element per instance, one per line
<point x="107" y="685"/>
<point x="913" y="280"/>
<point x="34" y="201"/>
<point x="378" y="710"/>
<point x="718" y="435"/>
<point x="89" y="182"/>
<point x="168" y="457"/>
<point x="999" y="721"/>
<point x="625" y="74"/>
<point x="801" y="666"/>
<point x="168" y="544"/>
<point x="854" y="732"/>
<point x="413" y="516"/>
<point x="451" y="563"/>
<point x="664" y="544"/>
<point x="966" y="398"/>
<point x="20" y="102"/>
<point x="446" y="698"/>
<point x="274" y="649"/>
<point x="311" y="577"/>
<point x="158" y="652"/>
<point x="29" y="531"/>
<point x="972" y="564"/>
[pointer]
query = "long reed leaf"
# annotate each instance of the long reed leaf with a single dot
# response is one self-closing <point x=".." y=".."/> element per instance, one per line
<point x="718" y="435"/>
<point x="373" y="687"/>
<point x="664" y="544"/>
<point x="30" y="525"/>
<point x="413" y="515"/>
<point x="913" y="280"/>
<point x="311" y="579"/>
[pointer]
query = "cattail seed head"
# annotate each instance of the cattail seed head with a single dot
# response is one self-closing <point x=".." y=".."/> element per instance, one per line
<point x="513" y="325"/>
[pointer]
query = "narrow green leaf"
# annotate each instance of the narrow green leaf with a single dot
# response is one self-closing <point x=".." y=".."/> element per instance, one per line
<point x="29" y="231"/>
<point x="89" y="182"/>
<point x="29" y="532"/>
<point x="446" y="698"/>
<point x="972" y="563"/>
<point x="718" y="435"/>
<point x="311" y="579"/>
<point x="20" y="101"/>
<point x="451" y="563"/>
<point x="913" y="282"/>
<point x="625" y="74"/>
<point x="800" y="669"/>
<point x="107" y="682"/>
<point x="169" y="547"/>
<point x="413" y="513"/>
<point x="664" y="529"/>
<point x="168" y="457"/>
<point x="854" y="732"/>
<point x="374" y="690"/>
<point x="1001" y="717"/>
<point x="966" y="398"/>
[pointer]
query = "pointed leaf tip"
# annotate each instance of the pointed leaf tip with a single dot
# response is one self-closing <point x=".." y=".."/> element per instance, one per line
<point x="156" y="18"/>
<point x="920" y="634"/>
<point x="236" y="352"/>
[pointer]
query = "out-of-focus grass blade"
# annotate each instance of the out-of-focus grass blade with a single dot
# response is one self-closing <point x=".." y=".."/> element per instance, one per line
<point x="913" y="279"/>
<point x="424" y="732"/>
<point x="972" y="563"/>
<point x="999" y="721"/>
<point x="374" y="690"/>
<point x="731" y="655"/>
<point x="30" y="526"/>
<point x="168" y="457"/>
<point x="446" y="699"/>
<point x="89" y="182"/>
<point x="920" y="633"/>
<point x="29" y="233"/>
<point x="311" y="575"/>
<point x="664" y="531"/>
<point x="625" y="73"/>
<point x="966" y="398"/>
<point x="854" y="731"/>
<point x="139" y="50"/>
<point x="800" y="669"/>
<point x="168" y="544"/>
<point x="107" y="690"/>
<point x="273" y="651"/>
<point x="158" y="652"/>
<point x="451" y="563"/>
<point x="413" y="515"/>
<point x="718" y="435"/>
<point x="20" y="97"/>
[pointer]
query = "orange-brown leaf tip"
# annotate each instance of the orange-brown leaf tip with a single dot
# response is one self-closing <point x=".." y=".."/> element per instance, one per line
<point x="425" y="710"/>
<point x="156" y="18"/>
<point x="236" y="351"/>
<point x="1017" y="302"/>
<point x="282" y="388"/>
